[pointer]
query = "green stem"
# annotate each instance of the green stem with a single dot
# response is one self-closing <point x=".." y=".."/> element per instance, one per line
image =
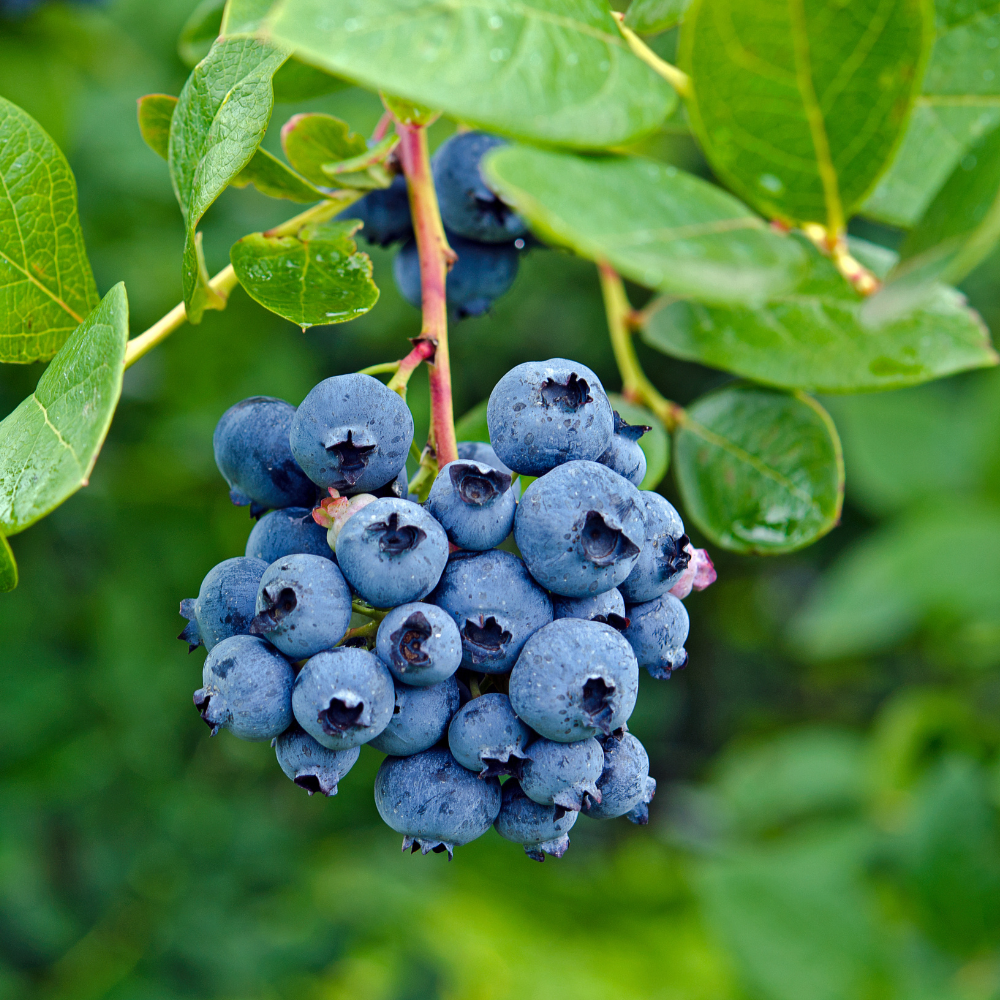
<point x="383" y="369"/>
<point x="677" y="78"/>
<point x="364" y="608"/>
<point x="635" y="385"/>
<point x="366" y="631"/>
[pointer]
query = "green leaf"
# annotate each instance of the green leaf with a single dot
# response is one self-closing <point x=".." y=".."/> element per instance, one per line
<point x="759" y="471"/>
<point x="155" y="112"/>
<point x="650" y="17"/>
<point x="199" y="32"/>
<point x="8" y="567"/>
<point x="542" y="69"/>
<point x="799" y="107"/>
<point x="657" y="225"/>
<point x="959" y="103"/>
<point x="244" y="17"/>
<point x="46" y="285"/>
<point x="655" y="443"/>
<point x="962" y="224"/>
<point x="472" y="425"/>
<point x="271" y="177"/>
<point x="49" y="444"/>
<point x="220" y="120"/>
<point x="316" y="143"/>
<point x="818" y="336"/>
<point x="296" y="81"/>
<point x="317" y="277"/>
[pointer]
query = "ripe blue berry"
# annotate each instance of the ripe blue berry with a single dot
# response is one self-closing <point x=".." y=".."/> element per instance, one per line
<point x="468" y="206"/>
<point x="563" y="774"/>
<point x="419" y="643"/>
<point x="420" y="718"/>
<point x="311" y="766"/>
<point x="541" y="829"/>
<point x="392" y="552"/>
<point x="473" y="503"/>
<point x="253" y="454"/>
<point x="435" y="802"/>
<point x="664" y="555"/>
<point x="580" y="529"/>
<point x="495" y="604"/>
<point x="487" y="737"/>
<point x="624" y="455"/>
<point x="352" y="433"/>
<point x="287" y="532"/>
<point x="575" y="679"/>
<point x="226" y="603"/>
<point x="544" y="413"/>
<point x="479" y="451"/>
<point x="608" y="608"/>
<point x="343" y="697"/>
<point x="482" y="273"/>
<point x="246" y="688"/>
<point x="657" y="632"/>
<point x="385" y="213"/>
<point x="303" y="605"/>
<point x="625" y="785"/>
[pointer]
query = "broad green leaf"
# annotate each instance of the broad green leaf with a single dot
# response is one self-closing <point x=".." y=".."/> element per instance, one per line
<point x="799" y="106"/>
<point x="655" y="443"/>
<point x="8" y="567"/>
<point x="316" y="277"/>
<point x="155" y="113"/>
<point x="49" y="444"/>
<point x="313" y="142"/>
<point x="220" y="119"/>
<point x="959" y="103"/>
<point x="199" y="32"/>
<point x="759" y="471"/>
<point x="471" y="426"/>
<point x="46" y="285"/>
<point x="657" y="225"/>
<point x="243" y="17"/>
<point x="296" y="81"/>
<point x="818" y="337"/>
<point x="650" y="17"/>
<point x="551" y="70"/>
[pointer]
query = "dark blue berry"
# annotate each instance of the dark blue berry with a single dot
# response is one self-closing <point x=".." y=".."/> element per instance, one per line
<point x="285" y="533"/>
<point x="419" y="643"/>
<point x="385" y="213"/>
<point x="420" y="718"/>
<point x="473" y="503"/>
<point x="226" y="602"/>
<point x="541" y="829"/>
<point x="310" y="765"/>
<point x="624" y="455"/>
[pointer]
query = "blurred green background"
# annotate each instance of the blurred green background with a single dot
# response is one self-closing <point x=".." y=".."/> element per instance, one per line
<point x="826" y="825"/>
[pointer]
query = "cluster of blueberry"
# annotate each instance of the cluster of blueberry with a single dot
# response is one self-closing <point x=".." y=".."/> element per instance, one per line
<point x="465" y="662"/>
<point x="485" y="233"/>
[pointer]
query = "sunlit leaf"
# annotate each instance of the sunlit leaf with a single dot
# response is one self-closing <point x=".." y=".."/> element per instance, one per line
<point x="649" y="17"/>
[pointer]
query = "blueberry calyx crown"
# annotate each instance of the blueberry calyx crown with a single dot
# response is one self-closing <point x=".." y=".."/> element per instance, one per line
<point x="494" y="767"/>
<point x="339" y="716"/>
<point x="394" y="538"/>
<point x="603" y="543"/>
<point x="280" y="605"/>
<point x="309" y="782"/>
<point x="201" y="702"/>
<point x="674" y="558"/>
<point x="352" y="458"/>
<point x="487" y="637"/>
<point x="569" y="395"/>
<point x="597" y="695"/>
<point x="630" y="431"/>
<point x="616" y="621"/>
<point x="475" y="487"/>
<point x="407" y="642"/>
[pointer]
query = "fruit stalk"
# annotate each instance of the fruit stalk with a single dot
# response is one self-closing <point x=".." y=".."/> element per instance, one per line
<point x="635" y="385"/>
<point x="423" y="350"/>
<point x="435" y="259"/>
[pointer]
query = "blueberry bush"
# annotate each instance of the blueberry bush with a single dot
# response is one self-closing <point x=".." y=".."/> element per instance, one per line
<point x="749" y="221"/>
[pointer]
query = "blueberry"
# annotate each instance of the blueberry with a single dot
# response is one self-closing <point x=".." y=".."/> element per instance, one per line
<point x="420" y="718"/>
<point x="563" y="774"/>
<point x="246" y="688"/>
<point x="608" y="608"/>
<point x="419" y="643"/>
<point x="657" y="632"/>
<point x="541" y="829"/>
<point x="253" y="454"/>
<point x="575" y="679"/>
<point x="287" y="532"/>
<point x="303" y="605"/>
<point x="664" y="555"/>
<point x="624" y="455"/>
<point x="468" y="206"/>
<point x="392" y="552"/>
<point x="625" y="785"/>
<point x="385" y="213"/>
<point x="311" y="766"/>
<point x="434" y="802"/>
<point x="226" y="602"/>
<point x="482" y="273"/>
<point x="544" y="413"/>
<point x="398" y="488"/>
<point x="343" y="697"/>
<point x="352" y="433"/>
<point x="580" y="529"/>
<point x="487" y="737"/>
<point x="473" y="503"/>
<point x="495" y="604"/>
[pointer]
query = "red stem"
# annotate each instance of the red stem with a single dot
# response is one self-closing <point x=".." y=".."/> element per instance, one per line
<point x="423" y="350"/>
<point x="435" y="259"/>
<point x="383" y="127"/>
